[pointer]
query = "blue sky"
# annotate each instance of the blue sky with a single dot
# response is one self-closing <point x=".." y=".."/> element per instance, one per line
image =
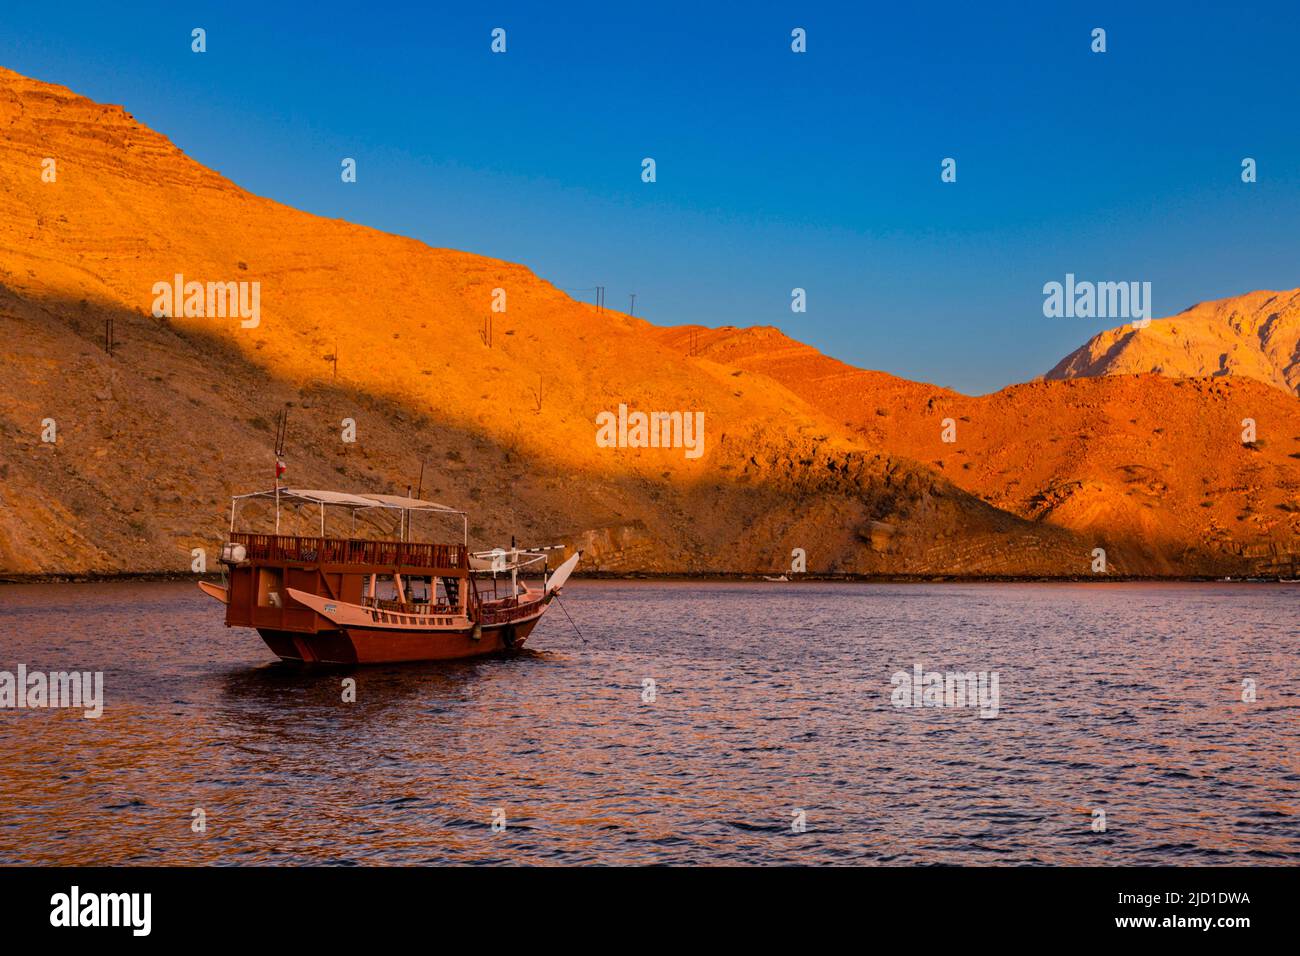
<point x="775" y="170"/>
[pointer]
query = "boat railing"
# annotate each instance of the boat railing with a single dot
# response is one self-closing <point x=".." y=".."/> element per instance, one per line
<point x="496" y="614"/>
<point x="418" y="607"/>
<point x="318" y="550"/>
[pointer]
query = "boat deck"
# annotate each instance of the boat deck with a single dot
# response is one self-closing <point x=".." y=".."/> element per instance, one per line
<point x="351" y="551"/>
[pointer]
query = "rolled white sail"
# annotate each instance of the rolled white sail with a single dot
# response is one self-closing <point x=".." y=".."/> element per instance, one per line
<point x="562" y="573"/>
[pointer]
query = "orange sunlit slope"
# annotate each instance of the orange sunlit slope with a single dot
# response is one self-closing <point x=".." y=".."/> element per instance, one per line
<point x="388" y="332"/>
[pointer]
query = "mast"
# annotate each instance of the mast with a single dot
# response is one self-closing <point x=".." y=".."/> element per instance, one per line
<point x="514" y="569"/>
<point x="281" y="427"/>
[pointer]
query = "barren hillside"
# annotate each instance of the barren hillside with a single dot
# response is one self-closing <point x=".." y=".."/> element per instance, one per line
<point x="1256" y="336"/>
<point x="1155" y="462"/>
<point x="800" y="451"/>
<point x="151" y="439"/>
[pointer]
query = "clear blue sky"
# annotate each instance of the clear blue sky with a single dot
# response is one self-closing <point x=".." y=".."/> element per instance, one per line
<point x="775" y="170"/>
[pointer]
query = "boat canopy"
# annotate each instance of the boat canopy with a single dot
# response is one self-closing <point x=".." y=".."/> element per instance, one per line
<point x="353" y="503"/>
<point x="344" y="500"/>
<point x="409" y="504"/>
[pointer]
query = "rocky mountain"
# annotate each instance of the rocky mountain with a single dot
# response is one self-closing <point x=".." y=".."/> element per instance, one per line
<point x="1162" y="465"/>
<point x="123" y="433"/>
<point x="123" y="461"/>
<point x="1256" y="335"/>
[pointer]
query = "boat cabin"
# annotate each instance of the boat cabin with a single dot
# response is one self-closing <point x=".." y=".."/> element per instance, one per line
<point x="353" y="549"/>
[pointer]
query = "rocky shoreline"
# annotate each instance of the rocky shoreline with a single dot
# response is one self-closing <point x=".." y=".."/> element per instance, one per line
<point x="127" y="577"/>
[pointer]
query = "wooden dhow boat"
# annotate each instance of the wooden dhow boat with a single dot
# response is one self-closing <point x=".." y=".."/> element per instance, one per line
<point x="333" y="599"/>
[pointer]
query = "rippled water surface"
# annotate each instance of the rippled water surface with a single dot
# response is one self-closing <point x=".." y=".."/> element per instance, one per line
<point x="768" y="699"/>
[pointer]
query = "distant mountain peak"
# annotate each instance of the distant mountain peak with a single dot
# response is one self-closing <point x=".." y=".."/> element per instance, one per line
<point x="1256" y="335"/>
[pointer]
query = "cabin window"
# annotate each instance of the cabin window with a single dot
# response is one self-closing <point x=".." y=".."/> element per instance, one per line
<point x="417" y="590"/>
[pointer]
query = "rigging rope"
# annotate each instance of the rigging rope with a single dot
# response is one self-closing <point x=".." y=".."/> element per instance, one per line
<point x="566" y="614"/>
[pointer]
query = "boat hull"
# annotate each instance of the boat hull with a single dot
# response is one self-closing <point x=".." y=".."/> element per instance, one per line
<point x="356" y="645"/>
